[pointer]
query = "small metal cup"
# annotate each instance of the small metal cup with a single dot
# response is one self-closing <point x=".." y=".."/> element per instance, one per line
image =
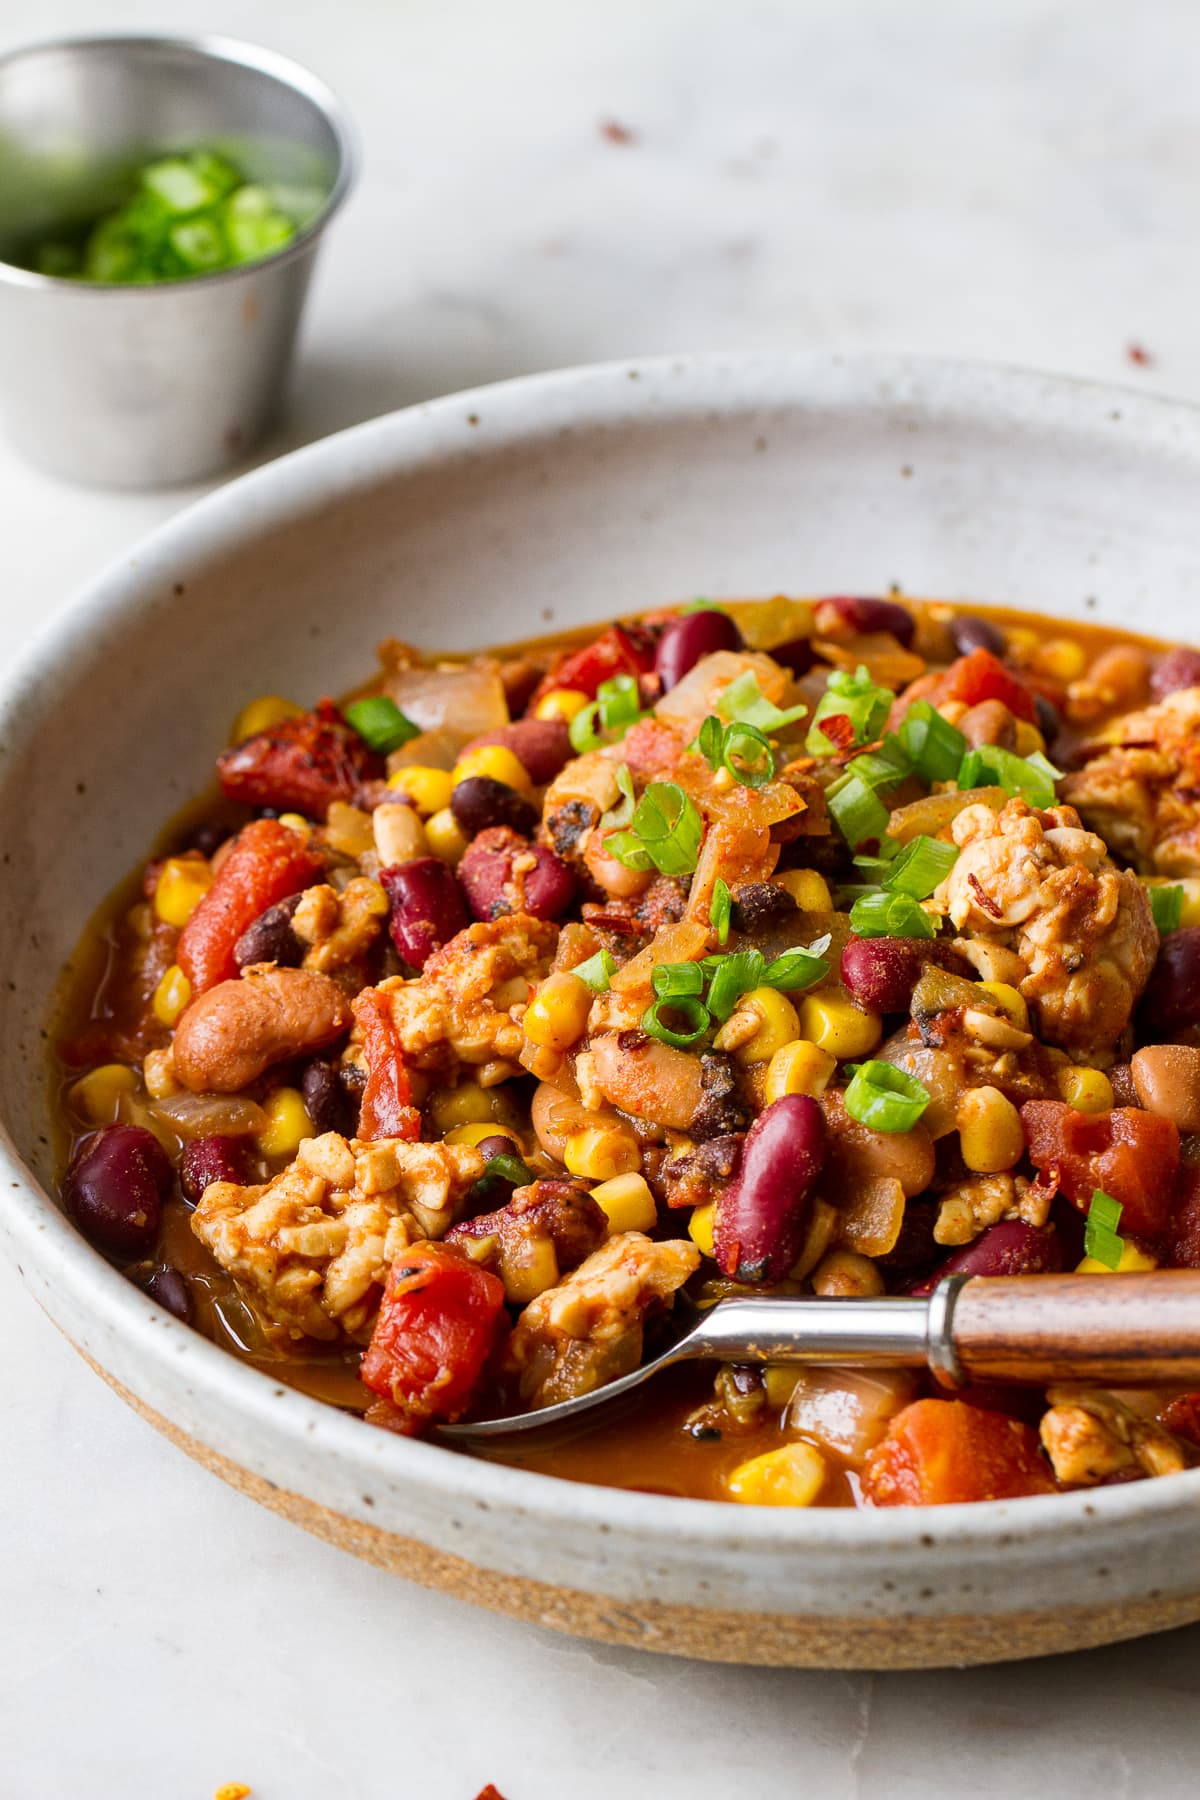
<point x="143" y="386"/>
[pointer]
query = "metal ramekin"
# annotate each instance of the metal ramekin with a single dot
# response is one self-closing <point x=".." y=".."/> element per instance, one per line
<point x="148" y="386"/>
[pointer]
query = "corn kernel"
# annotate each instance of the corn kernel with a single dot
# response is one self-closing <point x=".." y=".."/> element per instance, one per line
<point x="779" y="1379"/>
<point x="561" y="703"/>
<point x="990" y="1134"/>
<point x="426" y="790"/>
<point x="171" y="995"/>
<point x="288" y="1123"/>
<point x="793" y="1475"/>
<point x="261" y="714"/>
<point x="1063" y="658"/>
<point x="467" y="1104"/>
<point x="1028" y="738"/>
<point x="809" y="890"/>
<point x="833" y="1024"/>
<point x="627" y="1203"/>
<point x="497" y="762"/>
<point x="1010" y="1002"/>
<point x="296" y="822"/>
<point x="483" y="1128"/>
<point x="530" y="1274"/>
<point x="798" y="1068"/>
<point x="446" y="837"/>
<point x="700" y="1226"/>
<point x="183" y="882"/>
<point x="97" y="1095"/>
<point x="599" y="1152"/>
<point x="777" y="1025"/>
<point x="1134" y="1261"/>
<point x="557" y="1015"/>
<point x="1087" y="1090"/>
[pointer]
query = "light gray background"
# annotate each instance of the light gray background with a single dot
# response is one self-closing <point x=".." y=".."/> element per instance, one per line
<point x="1015" y="182"/>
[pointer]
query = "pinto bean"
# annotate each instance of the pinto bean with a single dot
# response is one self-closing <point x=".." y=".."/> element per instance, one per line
<point x="557" y="1114"/>
<point x="859" y="1155"/>
<point x="618" y="882"/>
<point x="990" y="722"/>
<point x="232" y="1033"/>
<point x="541" y="746"/>
<point x="648" y="1079"/>
<point x="1167" y="1079"/>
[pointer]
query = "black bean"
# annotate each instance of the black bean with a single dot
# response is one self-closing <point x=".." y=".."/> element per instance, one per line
<point x="480" y="802"/>
<point x="169" y="1288"/>
<point x="270" y="939"/>
<point x="973" y="633"/>
<point x="325" y="1098"/>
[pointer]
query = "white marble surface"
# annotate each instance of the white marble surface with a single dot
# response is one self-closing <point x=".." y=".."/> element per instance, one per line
<point x="1016" y="183"/>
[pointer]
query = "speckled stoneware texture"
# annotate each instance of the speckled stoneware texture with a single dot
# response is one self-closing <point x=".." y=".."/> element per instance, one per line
<point x="487" y="516"/>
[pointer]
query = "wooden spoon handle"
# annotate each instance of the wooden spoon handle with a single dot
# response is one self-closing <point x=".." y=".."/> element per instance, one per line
<point x="1138" y="1330"/>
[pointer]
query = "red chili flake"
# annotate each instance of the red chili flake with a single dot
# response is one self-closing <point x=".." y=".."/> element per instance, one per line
<point x="1138" y="353"/>
<point x="839" y="729"/>
<point x="984" y="898"/>
<point x="616" y="133"/>
<point x="489" y="1793"/>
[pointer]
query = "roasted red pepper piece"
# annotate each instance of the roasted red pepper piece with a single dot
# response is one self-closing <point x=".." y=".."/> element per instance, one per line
<point x="982" y="676"/>
<point x="386" y="1110"/>
<point x="621" y="650"/>
<point x="266" y="864"/>
<point x="300" y="765"/>
<point x="940" y="1451"/>
<point x="434" y="1336"/>
<point x="1130" y="1154"/>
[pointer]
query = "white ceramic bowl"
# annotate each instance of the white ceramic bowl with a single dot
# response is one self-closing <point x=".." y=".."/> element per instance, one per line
<point x="483" y="517"/>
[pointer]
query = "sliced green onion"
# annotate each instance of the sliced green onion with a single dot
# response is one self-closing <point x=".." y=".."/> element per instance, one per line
<point x="885" y="1098"/>
<point x="1100" y="1237"/>
<point x="795" y="969"/>
<point x="855" y="697"/>
<point x="881" y="768"/>
<point x="690" y="1014"/>
<point x="890" y="915"/>
<point x="380" y="723"/>
<point x="701" y="605"/>
<point x="677" y="981"/>
<point x="744" y="701"/>
<point x="616" y="707"/>
<point x="720" y="911"/>
<point x="597" y="971"/>
<point x="858" y="812"/>
<point x="1032" y="777"/>
<point x="1166" y="903"/>
<point x="874" y="868"/>
<point x="921" y="867"/>
<point x="710" y="741"/>
<point x="665" y="832"/>
<point x="934" y="746"/>
<point x="747" y="755"/>
<point x="733" y="976"/>
<point x="622" y="812"/>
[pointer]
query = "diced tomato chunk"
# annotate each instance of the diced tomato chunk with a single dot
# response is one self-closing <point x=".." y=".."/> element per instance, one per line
<point x="386" y="1110"/>
<point x="1130" y="1154"/>
<point x="436" y="1330"/>
<point x="982" y="676"/>
<point x="621" y="650"/>
<point x="650" y="748"/>
<point x="300" y="765"/>
<point x="266" y="864"/>
<point x="1182" y="1416"/>
<point x="940" y="1451"/>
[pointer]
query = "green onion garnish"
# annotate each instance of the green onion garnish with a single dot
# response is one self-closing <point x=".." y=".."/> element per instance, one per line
<point x="856" y="698"/>
<point x="720" y="911"/>
<point x="743" y="700"/>
<point x="796" y="969"/>
<point x="883" y="1097"/>
<point x="921" y="867"/>
<point x="858" y="812"/>
<point x="690" y="1014"/>
<point x="701" y="605"/>
<point x="617" y="706"/>
<point x="677" y="981"/>
<point x="733" y="976"/>
<point x="664" y="834"/>
<point x="1032" y="777"/>
<point x="1100" y="1237"/>
<point x="380" y="723"/>
<point x="597" y="971"/>
<point x="934" y="746"/>
<point x="890" y="915"/>
<point x="1166" y="903"/>
<point x="881" y="768"/>
<point x="740" y="748"/>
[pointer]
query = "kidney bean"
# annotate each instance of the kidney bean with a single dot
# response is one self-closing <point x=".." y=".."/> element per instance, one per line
<point x="325" y="1099"/>
<point x="1010" y="1248"/>
<point x="541" y="746"/>
<point x="763" y="1215"/>
<point x="1179" y="668"/>
<point x="210" y="1159"/>
<point x="270" y="939"/>
<point x="1171" y="1001"/>
<point x="686" y="640"/>
<point x="115" y="1187"/>
<point x="797" y="655"/>
<point x="481" y="802"/>
<point x="880" y="974"/>
<point x="169" y="1288"/>
<point x="874" y="615"/>
<point x="545" y="888"/>
<point x="970" y="632"/>
<point x="427" y="907"/>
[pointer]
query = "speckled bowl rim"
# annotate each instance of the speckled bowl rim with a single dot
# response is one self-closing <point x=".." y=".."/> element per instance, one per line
<point x="286" y="1421"/>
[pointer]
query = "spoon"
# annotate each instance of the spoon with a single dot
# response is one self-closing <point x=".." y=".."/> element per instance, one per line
<point x="1138" y="1330"/>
